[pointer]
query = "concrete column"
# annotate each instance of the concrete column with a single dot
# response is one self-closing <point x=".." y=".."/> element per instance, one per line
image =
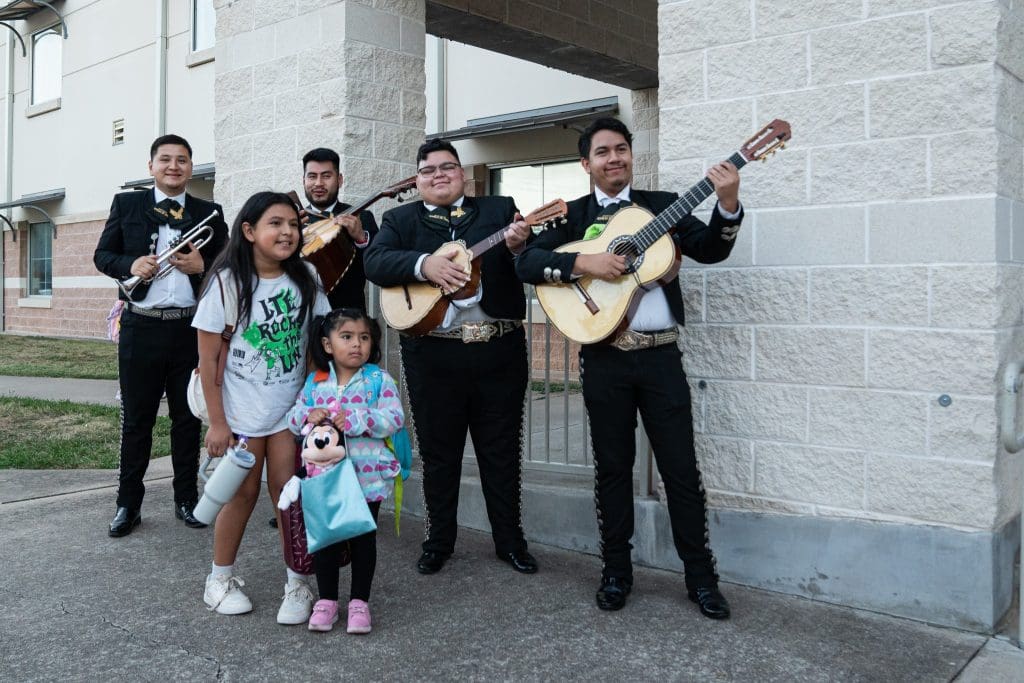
<point x="345" y="74"/>
<point x="645" y="139"/>
<point x="878" y="274"/>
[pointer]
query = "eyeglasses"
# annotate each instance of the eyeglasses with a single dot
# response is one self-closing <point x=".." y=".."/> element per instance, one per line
<point x="446" y="167"/>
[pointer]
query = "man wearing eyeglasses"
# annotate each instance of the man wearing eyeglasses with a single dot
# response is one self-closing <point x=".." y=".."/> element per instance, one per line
<point x="469" y="373"/>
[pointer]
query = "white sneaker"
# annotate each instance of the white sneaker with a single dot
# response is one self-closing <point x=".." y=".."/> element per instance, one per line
<point x="297" y="604"/>
<point x="224" y="596"/>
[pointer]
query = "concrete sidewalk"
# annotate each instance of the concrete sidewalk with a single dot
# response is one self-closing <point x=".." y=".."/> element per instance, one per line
<point x="78" y="605"/>
<point x="99" y="391"/>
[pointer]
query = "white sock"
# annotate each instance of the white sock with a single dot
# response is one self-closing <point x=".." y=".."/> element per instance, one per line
<point x="295" y="576"/>
<point x="228" y="570"/>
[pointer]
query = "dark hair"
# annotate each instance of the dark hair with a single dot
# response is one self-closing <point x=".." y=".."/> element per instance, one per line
<point x="436" y="145"/>
<point x="322" y="154"/>
<point x="323" y="325"/>
<point x="169" y="140"/>
<point x="237" y="257"/>
<point x="606" y="123"/>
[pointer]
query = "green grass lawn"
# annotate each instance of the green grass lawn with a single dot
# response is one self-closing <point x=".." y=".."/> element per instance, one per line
<point x="47" y="435"/>
<point x="537" y="387"/>
<point x="52" y="357"/>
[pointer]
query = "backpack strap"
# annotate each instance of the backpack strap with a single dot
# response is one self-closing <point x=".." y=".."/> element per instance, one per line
<point x="376" y="385"/>
<point x="229" y="299"/>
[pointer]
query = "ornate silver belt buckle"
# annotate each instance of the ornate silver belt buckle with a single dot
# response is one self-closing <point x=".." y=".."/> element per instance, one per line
<point x="479" y="332"/>
<point x="628" y="340"/>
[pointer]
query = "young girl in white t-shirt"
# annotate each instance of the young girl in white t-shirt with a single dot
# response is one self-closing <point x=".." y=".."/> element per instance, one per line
<point x="265" y="368"/>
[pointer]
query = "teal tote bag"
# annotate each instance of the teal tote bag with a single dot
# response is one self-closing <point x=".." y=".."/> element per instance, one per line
<point x="334" y="507"/>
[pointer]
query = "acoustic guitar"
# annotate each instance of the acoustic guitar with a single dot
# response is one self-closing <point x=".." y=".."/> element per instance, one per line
<point x="328" y="246"/>
<point x="418" y="307"/>
<point x="589" y="310"/>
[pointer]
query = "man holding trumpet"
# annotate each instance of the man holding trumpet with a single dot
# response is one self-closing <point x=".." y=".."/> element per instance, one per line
<point x="147" y="241"/>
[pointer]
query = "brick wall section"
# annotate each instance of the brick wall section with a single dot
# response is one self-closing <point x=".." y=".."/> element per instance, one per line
<point x="345" y="74"/>
<point x="75" y="311"/>
<point x="879" y="266"/>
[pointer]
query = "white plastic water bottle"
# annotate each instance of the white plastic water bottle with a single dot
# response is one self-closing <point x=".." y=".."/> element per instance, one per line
<point x="223" y="484"/>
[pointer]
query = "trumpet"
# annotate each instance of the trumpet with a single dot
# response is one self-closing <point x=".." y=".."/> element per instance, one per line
<point x="197" y="237"/>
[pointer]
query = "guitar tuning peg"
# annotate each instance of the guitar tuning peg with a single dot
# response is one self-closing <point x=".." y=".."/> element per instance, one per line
<point x="564" y="220"/>
<point x="764" y="160"/>
<point x="782" y="146"/>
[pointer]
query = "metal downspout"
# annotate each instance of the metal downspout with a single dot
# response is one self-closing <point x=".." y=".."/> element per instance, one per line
<point x="8" y="178"/>
<point x="442" y="88"/>
<point x="160" y="115"/>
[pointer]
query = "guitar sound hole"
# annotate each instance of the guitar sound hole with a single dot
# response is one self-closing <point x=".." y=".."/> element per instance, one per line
<point x="624" y="246"/>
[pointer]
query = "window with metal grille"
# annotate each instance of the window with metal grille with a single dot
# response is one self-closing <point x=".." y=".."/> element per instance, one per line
<point x="40" y="259"/>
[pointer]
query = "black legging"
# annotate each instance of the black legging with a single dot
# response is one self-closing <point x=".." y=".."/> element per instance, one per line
<point x="364" y="563"/>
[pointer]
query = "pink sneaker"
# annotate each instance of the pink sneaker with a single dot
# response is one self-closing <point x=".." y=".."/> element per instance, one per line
<point x="358" y="617"/>
<point x="325" y="615"/>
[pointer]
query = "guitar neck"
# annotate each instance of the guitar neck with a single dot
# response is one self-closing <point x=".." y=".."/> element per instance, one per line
<point x="483" y="245"/>
<point x="363" y="205"/>
<point x="394" y="191"/>
<point x="675" y="212"/>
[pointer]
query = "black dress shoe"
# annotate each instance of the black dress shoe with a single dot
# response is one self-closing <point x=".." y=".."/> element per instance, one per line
<point x="431" y="563"/>
<point x="613" y="591"/>
<point x="184" y="513"/>
<point x="712" y="603"/>
<point x="125" y="519"/>
<point x="522" y="561"/>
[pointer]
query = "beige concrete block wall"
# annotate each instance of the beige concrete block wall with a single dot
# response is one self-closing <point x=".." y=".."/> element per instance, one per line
<point x="880" y="263"/>
<point x="344" y="74"/>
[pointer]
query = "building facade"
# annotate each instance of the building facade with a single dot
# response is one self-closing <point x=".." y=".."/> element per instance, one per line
<point x="845" y="361"/>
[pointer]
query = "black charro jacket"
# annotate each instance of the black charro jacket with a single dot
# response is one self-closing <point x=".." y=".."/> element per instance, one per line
<point x="128" y="235"/>
<point x="405" y="236"/>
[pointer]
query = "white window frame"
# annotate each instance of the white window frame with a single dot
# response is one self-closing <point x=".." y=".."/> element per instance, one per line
<point x="36" y="106"/>
<point x="202" y="55"/>
<point x="29" y="259"/>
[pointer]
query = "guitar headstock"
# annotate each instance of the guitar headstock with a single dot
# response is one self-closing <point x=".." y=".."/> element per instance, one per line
<point x="766" y="141"/>
<point x="294" y="196"/>
<point x="546" y="215"/>
<point x="398" y="190"/>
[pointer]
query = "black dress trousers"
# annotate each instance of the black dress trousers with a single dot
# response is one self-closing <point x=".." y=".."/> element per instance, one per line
<point x="479" y="387"/>
<point x="617" y="384"/>
<point x="155" y="356"/>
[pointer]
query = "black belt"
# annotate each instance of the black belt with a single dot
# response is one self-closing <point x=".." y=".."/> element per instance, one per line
<point x="479" y="331"/>
<point x="631" y="340"/>
<point x="162" y="313"/>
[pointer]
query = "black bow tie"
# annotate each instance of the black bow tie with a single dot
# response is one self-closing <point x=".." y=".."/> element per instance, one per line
<point x="171" y="213"/>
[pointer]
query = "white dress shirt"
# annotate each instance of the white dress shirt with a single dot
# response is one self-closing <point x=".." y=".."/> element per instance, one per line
<point x="173" y="290"/>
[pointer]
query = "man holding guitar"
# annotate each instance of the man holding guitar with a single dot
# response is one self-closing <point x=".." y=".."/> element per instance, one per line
<point x="639" y="367"/>
<point x="321" y="180"/>
<point x="469" y="371"/>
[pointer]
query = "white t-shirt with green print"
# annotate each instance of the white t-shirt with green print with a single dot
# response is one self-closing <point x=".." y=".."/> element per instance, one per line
<point x="266" y="363"/>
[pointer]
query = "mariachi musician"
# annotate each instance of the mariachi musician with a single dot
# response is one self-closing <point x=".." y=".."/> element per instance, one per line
<point x="470" y="372"/>
<point x="640" y="370"/>
<point x="157" y="350"/>
<point x="321" y="181"/>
